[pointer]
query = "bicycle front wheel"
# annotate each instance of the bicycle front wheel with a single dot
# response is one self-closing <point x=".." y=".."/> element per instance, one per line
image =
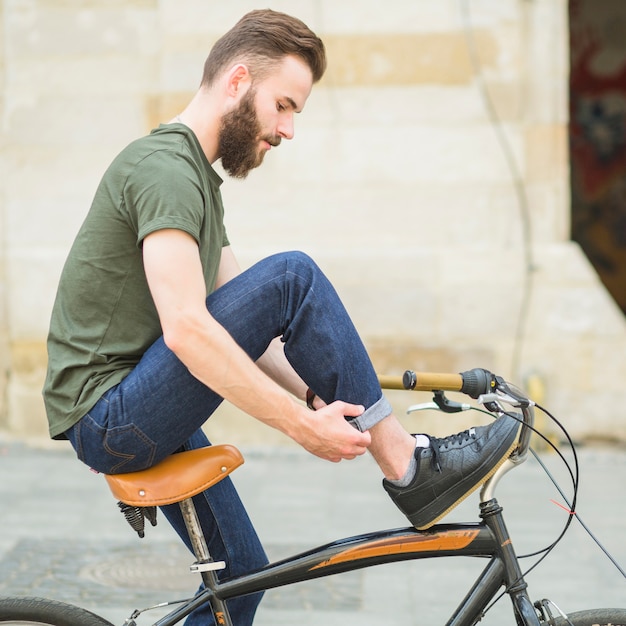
<point x="43" y="612"/>
<point x="594" y="617"/>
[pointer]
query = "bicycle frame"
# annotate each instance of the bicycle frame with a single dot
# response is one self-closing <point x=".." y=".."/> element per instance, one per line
<point x="488" y="539"/>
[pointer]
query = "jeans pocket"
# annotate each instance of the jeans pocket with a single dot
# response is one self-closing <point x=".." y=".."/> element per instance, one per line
<point x="112" y="450"/>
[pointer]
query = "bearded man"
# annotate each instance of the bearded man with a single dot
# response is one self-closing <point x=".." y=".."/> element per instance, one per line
<point x="154" y="323"/>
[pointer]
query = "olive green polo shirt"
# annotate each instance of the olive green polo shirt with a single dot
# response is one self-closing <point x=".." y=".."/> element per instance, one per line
<point x="104" y="318"/>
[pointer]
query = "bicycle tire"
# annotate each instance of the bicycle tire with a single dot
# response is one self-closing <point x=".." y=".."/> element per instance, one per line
<point x="27" y="611"/>
<point x="594" y="617"/>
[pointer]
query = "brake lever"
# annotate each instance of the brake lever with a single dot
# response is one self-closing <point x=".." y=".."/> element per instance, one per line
<point x="421" y="407"/>
<point x="442" y="403"/>
<point x="448" y="406"/>
<point x="503" y="387"/>
<point x="498" y="397"/>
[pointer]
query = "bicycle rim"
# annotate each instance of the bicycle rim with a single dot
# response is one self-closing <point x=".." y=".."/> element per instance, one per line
<point x="44" y="612"/>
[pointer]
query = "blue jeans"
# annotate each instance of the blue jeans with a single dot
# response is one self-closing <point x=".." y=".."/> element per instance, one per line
<point x="159" y="408"/>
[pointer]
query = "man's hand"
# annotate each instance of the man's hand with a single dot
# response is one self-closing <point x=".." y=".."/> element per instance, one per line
<point x="327" y="434"/>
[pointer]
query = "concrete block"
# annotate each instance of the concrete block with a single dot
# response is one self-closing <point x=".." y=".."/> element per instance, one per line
<point x="26" y="416"/>
<point x="207" y="18"/>
<point x="63" y="123"/>
<point x="48" y="193"/>
<point x="430" y="154"/>
<point x="381" y="59"/>
<point x="49" y="30"/>
<point x="339" y="17"/>
<point x="180" y="71"/>
<point x="548" y="222"/>
<point x="607" y="370"/>
<point x="32" y="285"/>
<point x="100" y="76"/>
<point x="547" y="153"/>
<point x="575" y="311"/>
<point x="388" y="105"/>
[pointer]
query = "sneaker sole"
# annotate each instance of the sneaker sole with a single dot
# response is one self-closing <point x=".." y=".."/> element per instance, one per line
<point x="482" y="481"/>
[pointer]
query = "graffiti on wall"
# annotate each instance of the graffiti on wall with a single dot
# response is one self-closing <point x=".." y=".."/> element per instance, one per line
<point x="598" y="137"/>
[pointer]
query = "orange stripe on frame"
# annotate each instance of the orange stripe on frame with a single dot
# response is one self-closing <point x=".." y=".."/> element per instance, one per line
<point x="446" y="540"/>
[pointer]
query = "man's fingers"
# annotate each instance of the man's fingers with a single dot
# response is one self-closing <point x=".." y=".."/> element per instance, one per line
<point x="330" y="436"/>
<point x="350" y="410"/>
<point x="359" y="446"/>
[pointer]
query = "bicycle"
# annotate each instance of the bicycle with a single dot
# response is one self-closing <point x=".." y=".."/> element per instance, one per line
<point x="183" y="475"/>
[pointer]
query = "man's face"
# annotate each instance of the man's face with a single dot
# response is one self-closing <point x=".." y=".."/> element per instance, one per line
<point x="263" y="117"/>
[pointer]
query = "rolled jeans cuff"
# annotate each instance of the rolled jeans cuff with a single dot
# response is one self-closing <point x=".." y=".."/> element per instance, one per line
<point x="370" y="417"/>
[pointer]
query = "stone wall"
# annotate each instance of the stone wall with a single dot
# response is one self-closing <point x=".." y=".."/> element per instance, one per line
<point x="428" y="176"/>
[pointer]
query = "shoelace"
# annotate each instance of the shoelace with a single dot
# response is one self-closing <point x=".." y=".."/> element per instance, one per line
<point x="436" y="443"/>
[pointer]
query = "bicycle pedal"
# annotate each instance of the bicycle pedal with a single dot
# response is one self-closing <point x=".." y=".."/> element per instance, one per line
<point x="207" y="567"/>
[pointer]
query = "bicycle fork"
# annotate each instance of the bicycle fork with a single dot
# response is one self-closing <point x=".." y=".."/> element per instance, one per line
<point x="503" y="568"/>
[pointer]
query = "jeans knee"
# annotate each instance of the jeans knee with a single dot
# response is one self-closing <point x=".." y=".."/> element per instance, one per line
<point x="300" y="263"/>
<point x="297" y="257"/>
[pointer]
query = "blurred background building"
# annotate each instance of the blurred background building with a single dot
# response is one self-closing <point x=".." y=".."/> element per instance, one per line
<point x="459" y="173"/>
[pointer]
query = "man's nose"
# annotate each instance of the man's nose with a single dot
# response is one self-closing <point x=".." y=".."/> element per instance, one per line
<point x="286" y="127"/>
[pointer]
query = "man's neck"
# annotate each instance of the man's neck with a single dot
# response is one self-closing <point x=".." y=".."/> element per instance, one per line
<point x="203" y="116"/>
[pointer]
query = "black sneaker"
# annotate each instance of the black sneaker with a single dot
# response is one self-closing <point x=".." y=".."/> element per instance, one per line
<point x="451" y="469"/>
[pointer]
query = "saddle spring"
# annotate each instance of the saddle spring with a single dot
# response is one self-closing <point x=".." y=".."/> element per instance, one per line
<point x="136" y="516"/>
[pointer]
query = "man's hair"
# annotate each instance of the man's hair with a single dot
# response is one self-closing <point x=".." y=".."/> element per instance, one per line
<point x="261" y="39"/>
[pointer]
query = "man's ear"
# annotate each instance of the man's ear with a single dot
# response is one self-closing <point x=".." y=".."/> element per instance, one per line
<point x="239" y="80"/>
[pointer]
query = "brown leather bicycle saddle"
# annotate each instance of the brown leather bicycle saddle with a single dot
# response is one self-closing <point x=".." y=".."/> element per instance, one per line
<point x="177" y="477"/>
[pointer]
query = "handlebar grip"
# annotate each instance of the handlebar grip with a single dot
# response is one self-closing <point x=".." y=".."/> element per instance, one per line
<point x="391" y="382"/>
<point x="423" y="381"/>
<point x="473" y="382"/>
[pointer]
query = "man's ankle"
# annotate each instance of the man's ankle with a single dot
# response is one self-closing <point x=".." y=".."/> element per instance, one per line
<point x="392" y="447"/>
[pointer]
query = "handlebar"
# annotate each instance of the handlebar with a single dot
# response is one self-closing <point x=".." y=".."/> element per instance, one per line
<point x="474" y="382"/>
<point x="479" y="384"/>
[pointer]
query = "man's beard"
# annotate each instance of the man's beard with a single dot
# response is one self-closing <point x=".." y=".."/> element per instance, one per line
<point x="239" y="138"/>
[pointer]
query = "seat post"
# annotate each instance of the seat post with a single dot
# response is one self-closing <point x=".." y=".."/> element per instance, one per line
<point x="198" y="542"/>
<point x="204" y="562"/>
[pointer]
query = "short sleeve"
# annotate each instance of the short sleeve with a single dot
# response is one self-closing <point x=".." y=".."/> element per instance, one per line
<point x="164" y="191"/>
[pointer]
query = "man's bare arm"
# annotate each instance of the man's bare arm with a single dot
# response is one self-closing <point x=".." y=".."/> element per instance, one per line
<point x="174" y="274"/>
